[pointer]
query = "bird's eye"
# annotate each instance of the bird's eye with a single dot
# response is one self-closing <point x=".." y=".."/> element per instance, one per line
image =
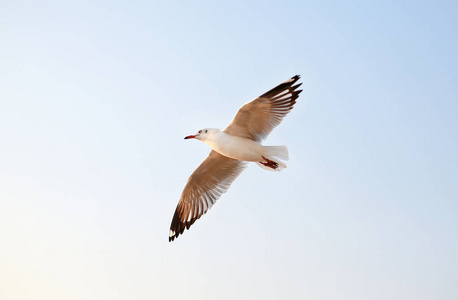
<point x="200" y="131"/>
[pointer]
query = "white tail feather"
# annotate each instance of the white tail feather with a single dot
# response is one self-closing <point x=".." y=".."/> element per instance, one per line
<point x="278" y="151"/>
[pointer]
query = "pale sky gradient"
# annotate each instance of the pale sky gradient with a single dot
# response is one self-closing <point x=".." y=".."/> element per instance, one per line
<point x="96" y="97"/>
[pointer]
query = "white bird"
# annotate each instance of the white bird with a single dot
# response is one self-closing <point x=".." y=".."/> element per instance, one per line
<point x="232" y="148"/>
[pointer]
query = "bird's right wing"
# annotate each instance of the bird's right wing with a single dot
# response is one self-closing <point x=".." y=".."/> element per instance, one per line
<point x="205" y="185"/>
<point x="256" y="119"/>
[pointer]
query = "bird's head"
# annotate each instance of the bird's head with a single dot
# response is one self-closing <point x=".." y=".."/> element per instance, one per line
<point x="202" y="134"/>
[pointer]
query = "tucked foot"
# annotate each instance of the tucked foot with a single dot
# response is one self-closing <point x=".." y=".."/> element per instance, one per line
<point x="269" y="163"/>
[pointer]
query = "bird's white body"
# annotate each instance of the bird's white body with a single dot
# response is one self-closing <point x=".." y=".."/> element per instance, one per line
<point x="243" y="149"/>
<point x="234" y="146"/>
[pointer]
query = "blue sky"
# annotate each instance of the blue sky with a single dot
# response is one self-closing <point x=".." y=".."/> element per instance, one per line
<point x="96" y="97"/>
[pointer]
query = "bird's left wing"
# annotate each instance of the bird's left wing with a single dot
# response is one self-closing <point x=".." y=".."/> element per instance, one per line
<point x="205" y="185"/>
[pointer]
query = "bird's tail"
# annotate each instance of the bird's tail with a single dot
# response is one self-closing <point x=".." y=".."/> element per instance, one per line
<point x="277" y="151"/>
<point x="272" y="156"/>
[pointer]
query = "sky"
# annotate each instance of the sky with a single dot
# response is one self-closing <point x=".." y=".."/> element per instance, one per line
<point x="96" y="97"/>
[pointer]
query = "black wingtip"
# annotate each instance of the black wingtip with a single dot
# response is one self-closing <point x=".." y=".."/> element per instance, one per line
<point x="293" y="79"/>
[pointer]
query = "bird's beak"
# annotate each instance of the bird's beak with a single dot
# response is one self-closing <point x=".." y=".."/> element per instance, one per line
<point x="190" y="137"/>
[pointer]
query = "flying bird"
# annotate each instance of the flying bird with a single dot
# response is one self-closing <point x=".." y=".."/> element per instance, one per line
<point x="232" y="148"/>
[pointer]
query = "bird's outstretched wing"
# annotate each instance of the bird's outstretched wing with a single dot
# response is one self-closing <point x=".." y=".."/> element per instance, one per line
<point x="256" y="119"/>
<point x="205" y="185"/>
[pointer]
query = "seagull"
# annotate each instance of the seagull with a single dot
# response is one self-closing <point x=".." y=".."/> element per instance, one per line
<point x="232" y="148"/>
